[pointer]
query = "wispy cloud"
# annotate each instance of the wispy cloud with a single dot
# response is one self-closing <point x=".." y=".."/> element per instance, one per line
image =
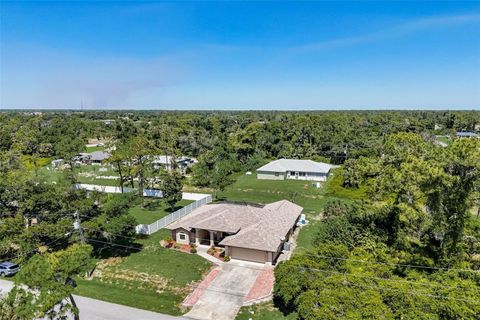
<point x="391" y="32"/>
<point x="64" y="79"/>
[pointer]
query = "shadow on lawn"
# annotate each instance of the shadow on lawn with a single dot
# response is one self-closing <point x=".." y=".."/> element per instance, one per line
<point x="285" y="310"/>
<point x="106" y="249"/>
<point x="153" y="205"/>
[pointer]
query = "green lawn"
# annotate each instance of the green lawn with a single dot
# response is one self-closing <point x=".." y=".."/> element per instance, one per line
<point x="92" y="149"/>
<point x="444" y="139"/>
<point x="247" y="188"/>
<point x="156" y="209"/>
<point x="58" y="175"/>
<point x="154" y="278"/>
<point x="263" y="311"/>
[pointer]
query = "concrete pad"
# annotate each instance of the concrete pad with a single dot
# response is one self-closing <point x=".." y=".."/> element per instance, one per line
<point x="226" y="293"/>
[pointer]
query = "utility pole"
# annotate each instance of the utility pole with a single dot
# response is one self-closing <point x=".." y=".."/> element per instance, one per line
<point x="78" y="226"/>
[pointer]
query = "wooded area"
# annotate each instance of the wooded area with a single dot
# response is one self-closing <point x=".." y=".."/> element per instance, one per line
<point x="407" y="247"/>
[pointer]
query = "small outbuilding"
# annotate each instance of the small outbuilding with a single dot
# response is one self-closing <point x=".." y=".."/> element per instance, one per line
<point x="294" y="169"/>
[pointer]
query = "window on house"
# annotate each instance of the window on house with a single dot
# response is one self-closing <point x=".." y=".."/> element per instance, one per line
<point x="182" y="236"/>
<point x="301" y="174"/>
<point x="277" y="174"/>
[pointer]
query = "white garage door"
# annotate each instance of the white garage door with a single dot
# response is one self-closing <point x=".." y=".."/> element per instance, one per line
<point x="248" y="254"/>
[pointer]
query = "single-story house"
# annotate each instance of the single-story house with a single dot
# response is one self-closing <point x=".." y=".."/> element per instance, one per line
<point x="96" y="157"/>
<point x="167" y="162"/>
<point x="246" y="232"/>
<point x="294" y="169"/>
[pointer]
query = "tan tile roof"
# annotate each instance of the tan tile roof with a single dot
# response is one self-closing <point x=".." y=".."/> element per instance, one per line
<point x="254" y="227"/>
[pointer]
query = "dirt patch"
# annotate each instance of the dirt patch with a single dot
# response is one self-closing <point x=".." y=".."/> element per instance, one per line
<point x="147" y="281"/>
<point x="108" y="271"/>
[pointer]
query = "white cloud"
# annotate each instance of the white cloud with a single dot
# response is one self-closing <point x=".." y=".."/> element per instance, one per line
<point x="395" y="31"/>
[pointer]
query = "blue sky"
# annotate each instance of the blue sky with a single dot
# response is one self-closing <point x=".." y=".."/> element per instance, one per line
<point x="240" y="55"/>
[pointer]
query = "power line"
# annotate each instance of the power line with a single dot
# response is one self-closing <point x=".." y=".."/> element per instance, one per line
<point x="416" y="293"/>
<point x="335" y="258"/>
<point x="320" y="270"/>
<point x="311" y="269"/>
<point x="31" y="251"/>
<point x="378" y="278"/>
<point x="388" y="263"/>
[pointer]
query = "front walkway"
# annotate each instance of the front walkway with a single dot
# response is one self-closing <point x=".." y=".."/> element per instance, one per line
<point x="202" y="251"/>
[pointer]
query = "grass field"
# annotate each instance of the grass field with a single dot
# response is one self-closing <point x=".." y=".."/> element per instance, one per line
<point x="444" y="139"/>
<point x="247" y="188"/>
<point x="95" y="148"/>
<point x="154" y="278"/>
<point x="155" y="210"/>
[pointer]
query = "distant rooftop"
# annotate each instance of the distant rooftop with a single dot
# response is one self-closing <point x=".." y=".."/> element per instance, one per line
<point x="284" y="165"/>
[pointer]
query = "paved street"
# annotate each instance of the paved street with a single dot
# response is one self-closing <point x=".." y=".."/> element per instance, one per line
<point x="91" y="309"/>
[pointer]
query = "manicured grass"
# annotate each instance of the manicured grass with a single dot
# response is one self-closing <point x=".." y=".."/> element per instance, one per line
<point x="92" y="149"/>
<point x="174" y="269"/>
<point x="444" y="139"/>
<point x="100" y="182"/>
<point x="122" y="292"/>
<point x="248" y="188"/>
<point x="263" y="311"/>
<point x="155" y="210"/>
<point x="306" y="236"/>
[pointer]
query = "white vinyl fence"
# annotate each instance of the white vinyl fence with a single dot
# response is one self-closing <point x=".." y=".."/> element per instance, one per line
<point x="172" y="217"/>
<point x="110" y="189"/>
<point x="199" y="198"/>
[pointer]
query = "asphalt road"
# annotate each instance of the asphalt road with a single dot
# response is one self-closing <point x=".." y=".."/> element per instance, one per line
<point x="91" y="309"/>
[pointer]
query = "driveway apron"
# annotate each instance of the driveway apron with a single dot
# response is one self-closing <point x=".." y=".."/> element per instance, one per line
<point x="225" y="295"/>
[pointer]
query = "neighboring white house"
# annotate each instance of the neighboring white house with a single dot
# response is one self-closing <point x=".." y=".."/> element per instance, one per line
<point x="294" y="169"/>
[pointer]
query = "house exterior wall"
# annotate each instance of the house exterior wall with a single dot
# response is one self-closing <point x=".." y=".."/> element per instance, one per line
<point x="307" y="176"/>
<point x="177" y="236"/>
<point x="264" y="175"/>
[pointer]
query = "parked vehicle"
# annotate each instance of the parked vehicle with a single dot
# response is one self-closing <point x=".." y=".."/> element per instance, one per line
<point x="8" y="268"/>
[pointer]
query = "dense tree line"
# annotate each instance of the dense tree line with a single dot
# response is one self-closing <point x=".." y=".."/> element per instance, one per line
<point x="417" y="212"/>
<point x="409" y="250"/>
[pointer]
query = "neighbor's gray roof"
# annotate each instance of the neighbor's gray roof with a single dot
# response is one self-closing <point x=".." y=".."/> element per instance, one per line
<point x="284" y="165"/>
<point x="99" y="155"/>
<point x="254" y="227"/>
